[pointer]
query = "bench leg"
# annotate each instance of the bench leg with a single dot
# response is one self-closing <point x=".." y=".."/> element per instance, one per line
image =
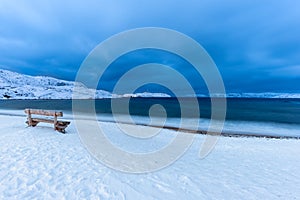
<point x="62" y="130"/>
<point x="29" y="119"/>
<point x="55" y="122"/>
<point x="33" y="123"/>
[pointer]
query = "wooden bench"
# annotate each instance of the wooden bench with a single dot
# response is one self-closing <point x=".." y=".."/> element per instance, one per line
<point x="58" y="125"/>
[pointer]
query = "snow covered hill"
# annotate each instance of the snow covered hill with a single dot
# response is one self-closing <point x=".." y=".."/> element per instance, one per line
<point x="19" y="86"/>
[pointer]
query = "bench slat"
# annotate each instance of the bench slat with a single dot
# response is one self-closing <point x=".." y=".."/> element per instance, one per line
<point x="63" y="123"/>
<point x="50" y="121"/>
<point x="44" y="112"/>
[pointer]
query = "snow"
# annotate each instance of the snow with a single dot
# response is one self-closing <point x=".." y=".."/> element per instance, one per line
<point x="253" y="128"/>
<point x="267" y="95"/>
<point x="145" y="94"/>
<point x="264" y="95"/>
<point x="39" y="163"/>
<point x="19" y="86"/>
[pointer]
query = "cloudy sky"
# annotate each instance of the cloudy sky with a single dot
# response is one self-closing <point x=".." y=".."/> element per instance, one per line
<point x="255" y="44"/>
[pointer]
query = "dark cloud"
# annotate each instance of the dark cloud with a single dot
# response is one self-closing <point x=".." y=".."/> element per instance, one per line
<point x="255" y="44"/>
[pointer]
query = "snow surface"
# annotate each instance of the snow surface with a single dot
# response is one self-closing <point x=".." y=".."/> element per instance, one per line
<point x="253" y="128"/>
<point x="39" y="163"/>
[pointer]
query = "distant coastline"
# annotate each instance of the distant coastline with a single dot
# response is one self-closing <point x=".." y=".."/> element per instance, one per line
<point x="18" y="86"/>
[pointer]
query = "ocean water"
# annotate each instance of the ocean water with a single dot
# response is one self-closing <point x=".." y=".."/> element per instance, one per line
<point x="258" y="116"/>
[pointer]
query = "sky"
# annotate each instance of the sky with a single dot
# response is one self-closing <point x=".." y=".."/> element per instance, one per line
<point x="255" y="44"/>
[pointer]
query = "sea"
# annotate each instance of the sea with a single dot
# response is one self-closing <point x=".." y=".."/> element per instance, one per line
<point x="265" y="117"/>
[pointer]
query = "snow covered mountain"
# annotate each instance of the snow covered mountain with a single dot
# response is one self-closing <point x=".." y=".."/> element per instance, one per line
<point x="19" y="86"/>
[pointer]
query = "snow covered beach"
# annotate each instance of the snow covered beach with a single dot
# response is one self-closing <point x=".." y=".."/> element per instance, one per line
<point x="44" y="164"/>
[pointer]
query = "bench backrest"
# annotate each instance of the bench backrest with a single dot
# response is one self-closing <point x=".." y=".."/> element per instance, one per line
<point x="44" y="112"/>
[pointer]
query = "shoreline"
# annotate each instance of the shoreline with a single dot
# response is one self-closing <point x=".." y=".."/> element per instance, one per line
<point x="17" y="113"/>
